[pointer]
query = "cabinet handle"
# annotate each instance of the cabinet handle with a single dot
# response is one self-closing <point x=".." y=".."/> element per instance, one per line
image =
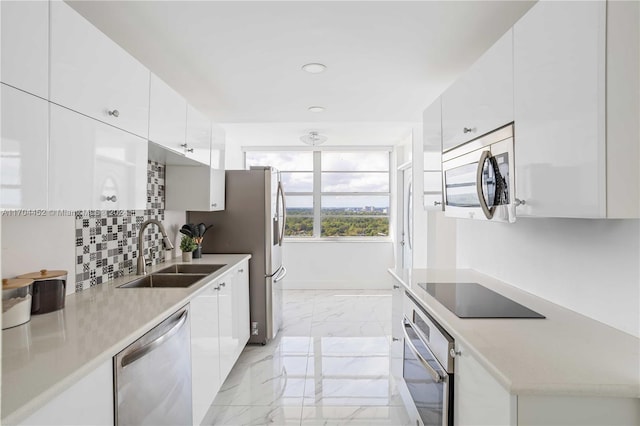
<point x="111" y="198"/>
<point x="437" y="203"/>
<point x="453" y="353"/>
<point x="468" y="129"/>
<point x="223" y="284"/>
<point x="395" y="339"/>
<point x="241" y="270"/>
<point x="519" y="202"/>
<point x="184" y="145"/>
<point x="214" y="205"/>
<point x="395" y="287"/>
<point x="217" y="288"/>
<point x="189" y="150"/>
<point x="115" y="113"/>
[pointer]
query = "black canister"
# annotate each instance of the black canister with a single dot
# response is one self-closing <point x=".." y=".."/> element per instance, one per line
<point x="49" y="290"/>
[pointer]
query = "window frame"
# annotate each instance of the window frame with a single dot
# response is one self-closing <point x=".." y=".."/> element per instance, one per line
<point x="317" y="187"/>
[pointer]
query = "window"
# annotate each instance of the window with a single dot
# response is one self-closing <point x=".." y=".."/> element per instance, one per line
<point x="332" y="193"/>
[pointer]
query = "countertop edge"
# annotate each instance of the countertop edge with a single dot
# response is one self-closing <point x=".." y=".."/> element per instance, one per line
<point x="522" y="389"/>
<point x="32" y="405"/>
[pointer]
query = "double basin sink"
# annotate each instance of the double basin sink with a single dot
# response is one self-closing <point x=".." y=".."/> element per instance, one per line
<point x="180" y="276"/>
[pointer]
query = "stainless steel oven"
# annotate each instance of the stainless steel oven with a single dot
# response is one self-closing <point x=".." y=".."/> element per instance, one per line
<point x="427" y="366"/>
<point x="479" y="180"/>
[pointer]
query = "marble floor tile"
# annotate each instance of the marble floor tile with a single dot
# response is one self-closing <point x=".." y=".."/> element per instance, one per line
<point x="328" y="365"/>
<point x="253" y="415"/>
<point x="354" y="415"/>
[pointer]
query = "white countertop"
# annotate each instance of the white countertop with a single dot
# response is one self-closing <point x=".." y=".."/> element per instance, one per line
<point x="53" y="351"/>
<point x="564" y="354"/>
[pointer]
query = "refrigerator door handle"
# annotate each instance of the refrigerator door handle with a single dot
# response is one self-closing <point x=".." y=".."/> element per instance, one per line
<point x="284" y="212"/>
<point x="280" y="275"/>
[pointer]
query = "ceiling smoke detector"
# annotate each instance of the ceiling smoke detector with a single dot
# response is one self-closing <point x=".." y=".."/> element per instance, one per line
<point x="313" y="138"/>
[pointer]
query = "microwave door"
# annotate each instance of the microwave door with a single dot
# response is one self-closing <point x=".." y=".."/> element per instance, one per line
<point x="486" y="184"/>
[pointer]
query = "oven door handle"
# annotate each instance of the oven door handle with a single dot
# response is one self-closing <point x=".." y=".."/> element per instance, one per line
<point x="488" y="211"/>
<point x="437" y="377"/>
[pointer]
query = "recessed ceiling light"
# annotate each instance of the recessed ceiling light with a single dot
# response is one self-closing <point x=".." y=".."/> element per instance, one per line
<point x="314" y="68"/>
<point x="316" y="109"/>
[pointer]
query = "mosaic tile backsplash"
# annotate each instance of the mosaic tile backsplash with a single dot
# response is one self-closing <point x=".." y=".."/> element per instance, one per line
<point x="106" y="240"/>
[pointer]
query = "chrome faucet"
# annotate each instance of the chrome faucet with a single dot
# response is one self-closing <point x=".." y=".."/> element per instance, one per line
<point x="142" y="264"/>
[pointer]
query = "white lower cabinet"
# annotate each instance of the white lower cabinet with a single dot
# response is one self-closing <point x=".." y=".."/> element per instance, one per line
<point x="219" y="333"/>
<point x="93" y="165"/>
<point x="23" y="151"/>
<point x="87" y="402"/>
<point x="478" y="398"/>
<point x="205" y="351"/>
<point x="233" y="303"/>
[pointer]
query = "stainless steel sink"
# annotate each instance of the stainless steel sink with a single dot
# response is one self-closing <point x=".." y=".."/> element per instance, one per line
<point x="159" y="280"/>
<point x="189" y="269"/>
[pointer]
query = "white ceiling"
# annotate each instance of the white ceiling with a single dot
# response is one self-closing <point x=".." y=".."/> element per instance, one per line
<point x="239" y="61"/>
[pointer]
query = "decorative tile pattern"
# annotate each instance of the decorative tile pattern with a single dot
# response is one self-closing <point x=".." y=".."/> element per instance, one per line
<point x="106" y="240"/>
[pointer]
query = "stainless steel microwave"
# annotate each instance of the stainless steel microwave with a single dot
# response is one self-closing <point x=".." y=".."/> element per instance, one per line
<point x="478" y="178"/>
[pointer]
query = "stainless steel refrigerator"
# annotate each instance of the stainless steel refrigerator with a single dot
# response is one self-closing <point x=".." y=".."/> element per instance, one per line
<point x="252" y="222"/>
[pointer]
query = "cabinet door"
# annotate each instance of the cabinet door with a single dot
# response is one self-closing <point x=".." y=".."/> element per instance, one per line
<point x="196" y="188"/>
<point x="240" y="296"/>
<point x="482" y="99"/>
<point x="432" y="151"/>
<point x="216" y="190"/>
<point x="93" y="165"/>
<point x="167" y="116"/>
<point x="228" y="341"/>
<point x="478" y="398"/>
<point x="198" y="136"/>
<point x="559" y="109"/>
<point x="91" y="74"/>
<point x="218" y="144"/>
<point x="23" y="151"/>
<point x="25" y="46"/>
<point x="88" y="402"/>
<point x="205" y="351"/>
<point x="397" y="336"/>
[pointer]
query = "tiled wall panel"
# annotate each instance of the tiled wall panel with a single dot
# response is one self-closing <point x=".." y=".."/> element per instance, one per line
<point x="107" y="240"/>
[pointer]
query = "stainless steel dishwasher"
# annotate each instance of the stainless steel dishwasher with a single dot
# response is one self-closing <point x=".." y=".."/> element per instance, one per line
<point x="153" y="376"/>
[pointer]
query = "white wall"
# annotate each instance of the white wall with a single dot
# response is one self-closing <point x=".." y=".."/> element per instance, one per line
<point x="31" y="243"/>
<point x="589" y="266"/>
<point x="335" y="265"/>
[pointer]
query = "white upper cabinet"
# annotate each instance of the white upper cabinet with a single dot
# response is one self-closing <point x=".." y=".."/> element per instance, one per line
<point x="91" y="74"/>
<point x="559" y="64"/>
<point x="559" y="109"/>
<point x="432" y="151"/>
<point x="198" y="141"/>
<point x="482" y="99"/>
<point x="196" y="188"/>
<point x="167" y="116"/>
<point x="23" y="150"/>
<point x="93" y="165"/>
<point x="25" y="46"/>
<point x="218" y="144"/>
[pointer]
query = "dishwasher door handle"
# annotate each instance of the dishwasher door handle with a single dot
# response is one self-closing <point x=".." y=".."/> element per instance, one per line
<point x="142" y="351"/>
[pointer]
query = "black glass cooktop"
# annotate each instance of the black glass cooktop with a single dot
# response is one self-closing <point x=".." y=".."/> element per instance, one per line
<point x="471" y="300"/>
